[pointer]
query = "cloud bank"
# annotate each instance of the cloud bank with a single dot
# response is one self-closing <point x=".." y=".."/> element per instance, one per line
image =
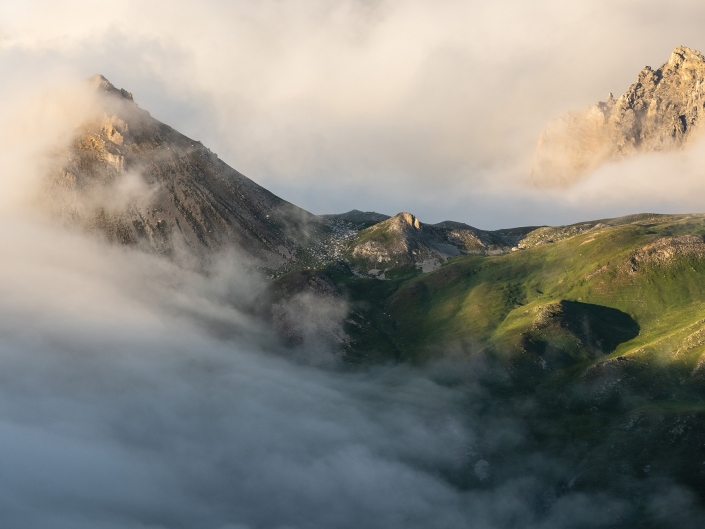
<point x="433" y="107"/>
<point x="137" y="394"/>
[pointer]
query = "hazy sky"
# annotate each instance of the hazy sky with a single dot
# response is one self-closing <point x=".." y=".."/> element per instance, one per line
<point x="432" y="107"/>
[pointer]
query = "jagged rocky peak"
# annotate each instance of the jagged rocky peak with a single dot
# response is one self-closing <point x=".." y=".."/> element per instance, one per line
<point x="99" y="82"/>
<point x="683" y="56"/>
<point x="404" y="241"/>
<point x="139" y="182"/>
<point x="661" y="111"/>
<point x="406" y="219"/>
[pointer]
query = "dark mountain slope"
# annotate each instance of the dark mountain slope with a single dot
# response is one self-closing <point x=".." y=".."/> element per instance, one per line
<point x="140" y="182"/>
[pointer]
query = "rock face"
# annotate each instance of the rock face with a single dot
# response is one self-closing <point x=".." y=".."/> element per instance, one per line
<point x="139" y="182"/>
<point x="405" y="241"/>
<point x="661" y="111"/>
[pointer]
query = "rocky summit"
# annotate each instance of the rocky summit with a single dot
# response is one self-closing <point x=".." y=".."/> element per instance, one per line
<point x="139" y="182"/>
<point x="661" y="111"/>
<point x="404" y="241"/>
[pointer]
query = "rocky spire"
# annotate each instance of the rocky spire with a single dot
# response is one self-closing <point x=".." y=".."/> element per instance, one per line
<point x="661" y="111"/>
<point x="99" y="82"/>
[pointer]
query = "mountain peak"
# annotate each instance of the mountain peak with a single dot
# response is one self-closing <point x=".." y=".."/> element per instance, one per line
<point x="407" y="219"/>
<point x="661" y="111"/>
<point x="99" y="82"/>
<point x="682" y="54"/>
<point x="139" y="182"/>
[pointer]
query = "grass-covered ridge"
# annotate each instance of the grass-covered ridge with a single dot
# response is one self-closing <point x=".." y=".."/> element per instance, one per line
<point x="594" y="343"/>
<point x="646" y="269"/>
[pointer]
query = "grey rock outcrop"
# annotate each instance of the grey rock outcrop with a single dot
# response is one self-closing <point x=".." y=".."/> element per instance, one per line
<point x="661" y="111"/>
<point x="405" y="241"/>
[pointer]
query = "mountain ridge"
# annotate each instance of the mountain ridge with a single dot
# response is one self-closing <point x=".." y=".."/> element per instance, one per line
<point x="139" y="182"/>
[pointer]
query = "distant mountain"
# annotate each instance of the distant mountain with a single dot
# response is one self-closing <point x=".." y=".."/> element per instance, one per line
<point x="357" y="216"/>
<point x="139" y="182"/>
<point x="661" y="111"/>
<point x="404" y="241"/>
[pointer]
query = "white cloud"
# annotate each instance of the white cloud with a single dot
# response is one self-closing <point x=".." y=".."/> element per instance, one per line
<point x="369" y="104"/>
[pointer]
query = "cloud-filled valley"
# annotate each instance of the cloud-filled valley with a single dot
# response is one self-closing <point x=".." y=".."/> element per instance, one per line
<point x="119" y="408"/>
<point x="137" y="394"/>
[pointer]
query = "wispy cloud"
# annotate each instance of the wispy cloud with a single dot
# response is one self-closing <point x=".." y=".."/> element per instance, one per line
<point x="433" y="105"/>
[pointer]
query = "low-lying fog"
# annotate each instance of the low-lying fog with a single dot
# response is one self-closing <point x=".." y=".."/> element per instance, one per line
<point x="135" y="392"/>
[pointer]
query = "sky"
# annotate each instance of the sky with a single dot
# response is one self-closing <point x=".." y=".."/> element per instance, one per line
<point x="429" y="107"/>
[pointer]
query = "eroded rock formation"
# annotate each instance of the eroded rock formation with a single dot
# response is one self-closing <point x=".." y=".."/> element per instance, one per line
<point x="661" y="111"/>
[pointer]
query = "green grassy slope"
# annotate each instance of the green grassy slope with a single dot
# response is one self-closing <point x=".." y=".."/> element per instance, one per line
<point x="594" y="342"/>
<point x="635" y="285"/>
<point x="493" y="301"/>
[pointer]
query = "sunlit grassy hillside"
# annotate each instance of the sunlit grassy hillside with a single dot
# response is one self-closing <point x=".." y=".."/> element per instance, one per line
<point x="592" y="338"/>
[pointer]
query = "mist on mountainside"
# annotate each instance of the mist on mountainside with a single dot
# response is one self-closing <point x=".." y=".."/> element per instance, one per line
<point x="134" y="392"/>
<point x="660" y="112"/>
<point x="384" y="106"/>
<point x="139" y="390"/>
